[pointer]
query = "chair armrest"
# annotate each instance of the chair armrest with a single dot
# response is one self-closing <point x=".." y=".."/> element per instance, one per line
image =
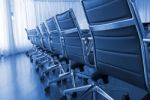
<point x="146" y="40"/>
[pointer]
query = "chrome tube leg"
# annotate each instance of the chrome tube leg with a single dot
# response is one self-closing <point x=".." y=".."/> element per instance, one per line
<point x="61" y="70"/>
<point x="94" y="95"/>
<point x="78" y="89"/>
<point x="60" y="78"/>
<point x="102" y="92"/>
<point x="73" y="78"/>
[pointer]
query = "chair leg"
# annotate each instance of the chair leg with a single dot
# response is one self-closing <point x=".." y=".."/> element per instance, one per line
<point x="47" y="88"/>
<point x="95" y="89"/>
<point x="87" y="92"/>
<point x="73" y="78"/>
<point x="94" y="95"/>
<point x="76" y="89"/>
<point x="82" y="75"/>
<point x="102" y="92"/>
<point x="60" y="78"/>
<point x="51" y="68"/>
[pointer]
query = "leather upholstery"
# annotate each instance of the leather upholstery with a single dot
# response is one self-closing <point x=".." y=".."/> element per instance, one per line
<point x="46" y="37"/>
<point x="54" y="33"/>
<point x="106" y="10"/>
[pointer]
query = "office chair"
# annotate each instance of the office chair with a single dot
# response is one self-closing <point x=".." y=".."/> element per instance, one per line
<point x="75" y="47"/>
<point x="40" y="44"/>
<point x="46" y="38"/>
<point x="57" y="50"/>
<point x="32" y="37"/>
<point x="29" y="36"/>
<point x="52" y="56"/>
<point x="40" y="56"/>
<point x="119" y="48"/>
<point x="38" y="49"/>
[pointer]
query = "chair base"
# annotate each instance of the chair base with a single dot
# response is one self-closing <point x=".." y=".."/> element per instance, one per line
<point x="88" y="89"/>
<point x="96" y="76"/>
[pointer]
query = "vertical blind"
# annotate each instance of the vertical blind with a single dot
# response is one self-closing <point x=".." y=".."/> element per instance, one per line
<point x="48" y="9"/>
<point x="6" y="36"/>
<point x="15" y="17"/>
<point x="24" y="17"/>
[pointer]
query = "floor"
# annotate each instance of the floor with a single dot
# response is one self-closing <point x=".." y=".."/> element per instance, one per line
<point x="19" y="81"/>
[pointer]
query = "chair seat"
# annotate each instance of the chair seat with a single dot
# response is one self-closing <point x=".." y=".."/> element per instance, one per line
<point x="76" y="65"/>
<point x="64" y="59"/>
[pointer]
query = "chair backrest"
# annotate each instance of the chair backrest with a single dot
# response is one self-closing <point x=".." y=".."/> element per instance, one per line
<point x="43" y="28"/>
<point x="46" y="37"/>
<point x="39" y="39"/>
<point x="27" y="31"/>
<point x="71" y="34"/>
<point x="31" y="35"/>
<point x="56" y="44"/>
<point x="118" y="45"/>
<point x="39" y="33"/>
